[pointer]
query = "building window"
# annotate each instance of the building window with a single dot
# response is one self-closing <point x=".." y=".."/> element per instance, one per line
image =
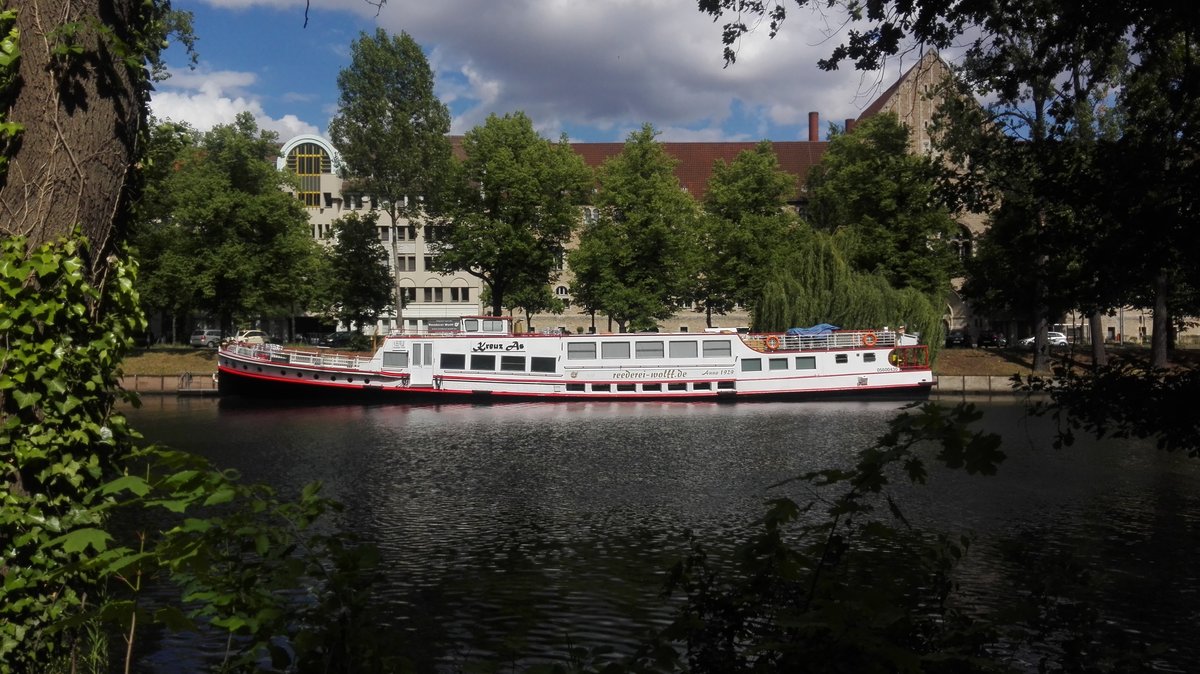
<point x="408" y="295"/>
<point x="309" y="161"/>
<point x="460" y="294"/>
<point x="561" y="291"/>
<point x="428" y="263"/>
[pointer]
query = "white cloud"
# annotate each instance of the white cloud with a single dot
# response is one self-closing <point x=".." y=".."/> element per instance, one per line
<point x="606" y="65"/>
<point x="206" y="99"/>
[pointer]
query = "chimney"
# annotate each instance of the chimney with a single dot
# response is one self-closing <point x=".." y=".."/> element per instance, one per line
<point x="849" y="124"/>
<point x="814" y="127"/>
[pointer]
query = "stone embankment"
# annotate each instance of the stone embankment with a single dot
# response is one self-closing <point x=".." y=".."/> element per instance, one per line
<point x="205" y="384"/>
<point x="171" y="384"/>
<point x="964" y="384"/>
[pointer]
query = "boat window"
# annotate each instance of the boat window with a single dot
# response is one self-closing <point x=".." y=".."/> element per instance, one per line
<point x="626" y="387"/>
<point x="494" y="326"/>
<point x="575" y="387"/>
<point x="651" y="387"/>
<point x="541" y="364"/>
<point x="470" y="325"/>
<point x="512" y="363"/>
<point x="806" y="362"/>
<point x="868" y="358"/>
<point x="601" y="387"/>
<point x="841" y="358"/>
<point x="778" y="363"/>
<point x="394" y="359"/>
<point x="715" y="348"/>
<point x="611" y="350"/>
<point x="480" y="362"/>
<point x="454" y="361"/>
<point x="702" y="386"/>
<point x="752" y="365"/>
<point x="581" y="350"/>
<point x="725" y="385"/>
<point x="677" y="386"/>
<point x="648" y="349"/>
<point x="683" y="349"/>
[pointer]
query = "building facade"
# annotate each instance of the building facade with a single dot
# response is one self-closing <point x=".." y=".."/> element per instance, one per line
<point x="432" y="297"/>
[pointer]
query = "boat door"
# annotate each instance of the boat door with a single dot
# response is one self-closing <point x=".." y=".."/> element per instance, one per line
<point x="421" y="368"/>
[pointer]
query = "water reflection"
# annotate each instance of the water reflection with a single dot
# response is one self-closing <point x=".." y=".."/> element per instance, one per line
<point x="512" y="531"/>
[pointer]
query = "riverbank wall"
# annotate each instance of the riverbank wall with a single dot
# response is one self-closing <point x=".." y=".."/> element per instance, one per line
<point x="205" y="384"/>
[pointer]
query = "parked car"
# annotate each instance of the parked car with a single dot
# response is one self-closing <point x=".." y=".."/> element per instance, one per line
<point x="994" y="339"/>
<point x="958" y="337"/>
<point x="1054" y="339"/>
<point x="336" y="340"/>
<point x="252" y="337"/>
<point x="206" y="338"/>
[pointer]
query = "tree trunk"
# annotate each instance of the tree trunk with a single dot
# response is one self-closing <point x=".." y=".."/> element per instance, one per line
<point x="1159" y="341"/>
<point x="1096" y="330"/>
<point x="82" y="115"/>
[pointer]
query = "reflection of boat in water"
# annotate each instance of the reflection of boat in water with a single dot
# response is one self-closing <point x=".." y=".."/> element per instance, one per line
<point x="483" y="358"/>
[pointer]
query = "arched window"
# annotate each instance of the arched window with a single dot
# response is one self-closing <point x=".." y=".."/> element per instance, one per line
<point x="309" y="161"/>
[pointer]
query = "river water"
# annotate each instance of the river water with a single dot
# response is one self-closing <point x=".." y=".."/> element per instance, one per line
<point x="511" y="532"/>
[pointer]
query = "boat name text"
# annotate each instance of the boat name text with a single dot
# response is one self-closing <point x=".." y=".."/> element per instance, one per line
<point x="498" y="346"/>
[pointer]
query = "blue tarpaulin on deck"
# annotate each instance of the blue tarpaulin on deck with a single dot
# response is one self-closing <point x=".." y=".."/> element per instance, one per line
<point x="820" y="329"/>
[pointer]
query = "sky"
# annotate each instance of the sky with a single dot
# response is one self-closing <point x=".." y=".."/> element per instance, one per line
<point x="593" y="69"/>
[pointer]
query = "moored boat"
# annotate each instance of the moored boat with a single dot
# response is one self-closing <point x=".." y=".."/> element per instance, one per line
<point x="483" y="358"/>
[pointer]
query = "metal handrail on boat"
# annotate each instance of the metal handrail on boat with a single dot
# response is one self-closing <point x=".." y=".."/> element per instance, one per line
<point x="277" y="354"/>
<point x="841" y="339"/>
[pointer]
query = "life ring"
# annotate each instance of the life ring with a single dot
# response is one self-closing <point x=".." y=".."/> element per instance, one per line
<point x="869" y="339"/>
<point x="772" y="343"/>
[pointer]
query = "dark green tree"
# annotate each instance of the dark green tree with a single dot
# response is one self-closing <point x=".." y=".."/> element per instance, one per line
<point x="391" y="131"/>
<point x="362" y="287"/>
<point x="879" y="201"/>
<point x="635" y="258"/>
<point x="530" y="300"/>
<point x="518" y="203"/>
<point x="747" y="220"/>
<point x="243" y="242"/>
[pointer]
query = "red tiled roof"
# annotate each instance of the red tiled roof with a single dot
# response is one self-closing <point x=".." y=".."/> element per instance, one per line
<point x="696" y="160"/>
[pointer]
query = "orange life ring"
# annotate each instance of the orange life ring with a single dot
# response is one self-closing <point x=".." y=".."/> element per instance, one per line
<point x="772" y="343"/>
<point x="869" y="339"/>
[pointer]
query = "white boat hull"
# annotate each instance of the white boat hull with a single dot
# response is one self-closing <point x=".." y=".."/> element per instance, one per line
<point x="683" y="366"/>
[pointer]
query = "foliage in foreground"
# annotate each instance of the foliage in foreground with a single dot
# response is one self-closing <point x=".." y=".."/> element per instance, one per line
<point x="248" y="565"/>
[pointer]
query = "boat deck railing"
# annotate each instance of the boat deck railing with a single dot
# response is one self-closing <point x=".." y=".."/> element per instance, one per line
<point x="277" y="354"/>
<point x="840" y="339"/>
